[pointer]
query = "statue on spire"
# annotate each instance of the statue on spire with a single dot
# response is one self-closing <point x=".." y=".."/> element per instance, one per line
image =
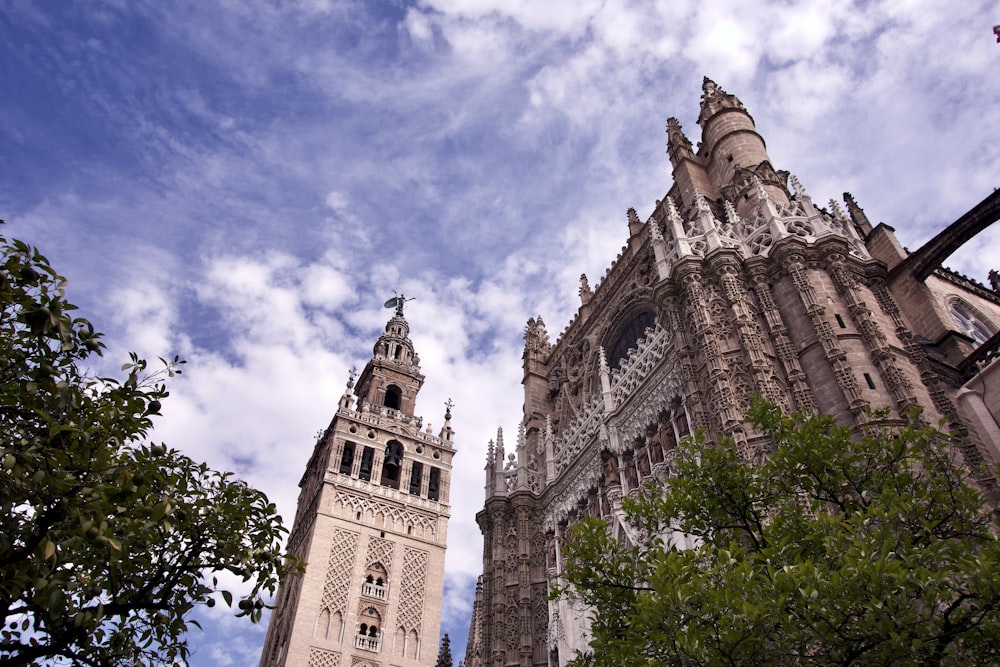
<point x="398" y="302"/>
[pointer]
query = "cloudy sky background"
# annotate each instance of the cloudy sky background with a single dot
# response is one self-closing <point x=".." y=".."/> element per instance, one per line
<point x="244" y="182"/>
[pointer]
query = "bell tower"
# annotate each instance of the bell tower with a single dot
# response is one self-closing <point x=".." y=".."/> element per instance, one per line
<point x="371" y="524"/>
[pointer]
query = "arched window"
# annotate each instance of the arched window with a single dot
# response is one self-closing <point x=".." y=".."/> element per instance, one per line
<point x="393" y="397"/>
<point x="434" y="484"/>
<point x="616" y="348"/>
<point x="392" y="465"/>
<point x="367" y="460"/>
<point x="416" y="474"/>
<point x="347" y="458"/>
<point x="375" y="581"/>
<point x="970" y="322"/>
<point x="368" y="635"/>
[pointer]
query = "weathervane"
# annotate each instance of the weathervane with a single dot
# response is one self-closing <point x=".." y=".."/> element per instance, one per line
<point x="448" y="405"/>
<point x="397" y="302"/>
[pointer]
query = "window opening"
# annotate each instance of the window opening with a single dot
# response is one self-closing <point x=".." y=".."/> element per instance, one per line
<point x="393" y="397"/>
<point x="868" y="379"/>
<point x="433" y="484"/>
<point x="840" y="321"/>
<point x="367" y="460"/>
<point x="347" y="458"/>
<point x="627" y="336"/>
<point x="416" y="473"/>
<point x="392" y="464"/>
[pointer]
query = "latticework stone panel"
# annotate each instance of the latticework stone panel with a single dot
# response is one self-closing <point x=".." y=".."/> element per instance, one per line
<point x="338" y="570"/>
<point x="414" y="579"/>
<point x="319" y="657"/>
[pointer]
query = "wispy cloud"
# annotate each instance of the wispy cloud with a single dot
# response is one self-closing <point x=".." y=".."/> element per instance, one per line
<point x="244" y="183"/>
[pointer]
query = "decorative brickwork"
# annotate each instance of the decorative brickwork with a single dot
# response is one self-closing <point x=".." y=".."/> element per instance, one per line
<point x="412" y="583"/>
<point x="380" y="551"/>
<point x="320" y="657"/>
<point x="339" y="570"/>
<point x="736" y="286"/>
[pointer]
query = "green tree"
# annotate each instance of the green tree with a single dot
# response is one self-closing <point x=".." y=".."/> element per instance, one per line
<point x="839" y="549"/>
<point x="107" y="541"/>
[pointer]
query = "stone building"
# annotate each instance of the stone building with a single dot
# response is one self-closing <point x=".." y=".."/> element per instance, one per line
<point x="738" y="284"/>
<point x="371" y="523"/>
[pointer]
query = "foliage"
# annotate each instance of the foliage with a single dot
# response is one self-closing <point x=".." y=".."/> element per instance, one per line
<point x="106" y="541"/>
<point x="444" y="653"/>
<point x="838" y="549"/>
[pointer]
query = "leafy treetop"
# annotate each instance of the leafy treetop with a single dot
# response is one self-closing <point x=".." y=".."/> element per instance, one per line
<point x="839" y="549"/>
<point x="107" y="541"/>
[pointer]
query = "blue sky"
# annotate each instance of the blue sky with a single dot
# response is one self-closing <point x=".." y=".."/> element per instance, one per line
<point x="245" y="182"/>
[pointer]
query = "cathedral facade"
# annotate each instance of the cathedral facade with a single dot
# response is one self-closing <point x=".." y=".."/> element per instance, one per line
<point x="371" y="525"/>
<point x="737" y="285"/>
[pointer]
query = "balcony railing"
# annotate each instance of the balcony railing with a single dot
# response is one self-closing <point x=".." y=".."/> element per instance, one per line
<point x="374" y="590"/>
<point x="366" y="643"/>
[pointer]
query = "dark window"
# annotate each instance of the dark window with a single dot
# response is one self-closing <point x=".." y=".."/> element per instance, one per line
<point x="347" y="458"/>
<point x="433" y="484"/>
<point x="840" y="321"/>
<point x="415" y="478"/>
<point x="367" y="459"/>
<point x="393" y="397"/>
<point x="392" y="465"/>
<point x="616" y="351"/>
<point x="868" y="379"/>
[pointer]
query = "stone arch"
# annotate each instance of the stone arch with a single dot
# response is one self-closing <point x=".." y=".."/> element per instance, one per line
<point x="625" y="330"/>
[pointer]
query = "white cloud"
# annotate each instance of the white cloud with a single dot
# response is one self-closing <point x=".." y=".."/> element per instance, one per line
<point x="247" y="188"/>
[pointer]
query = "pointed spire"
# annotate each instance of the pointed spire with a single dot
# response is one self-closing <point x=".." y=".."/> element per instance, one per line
<point x="861" y="222"/>
<point x="678" y="145"/>
<point x="802" y="197"/>
<point x="347" y="400"/>
<point x="634" y="224"/>
<point x="447" y="434"/>
<point x="604" y="373"/>
<point x="838" y="213"/>
<point x="535" y="335"/>
<point x="522" y="458"/>
<point x="550" y="450"/>
<point x="800" y="191"/>
<point x="734" y="223"/>
<point x="444" y="654"/>
<point x="499" y="485"/>
<point x="703" y="220"/>
<point x="585" y="292"/>
<point x="674" y="218"/>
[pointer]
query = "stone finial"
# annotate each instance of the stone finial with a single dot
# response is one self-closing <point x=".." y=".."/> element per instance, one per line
<point x="703" y="219"/>
<point x="535" y="335"/>
<point x="994" y="277"/>
<point x="678" y="145"/>
<point x="734" y="222"/>
<point x="800" y="191"/>
<point x="634" y="224"/>
<point x="673" y="216"/>
<point x="585" y="292"/>
<point x="838" y="213"/>
<point x="602" y="360"/>
<point x="633" y="218"/>
<point x="858" y="217"/>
